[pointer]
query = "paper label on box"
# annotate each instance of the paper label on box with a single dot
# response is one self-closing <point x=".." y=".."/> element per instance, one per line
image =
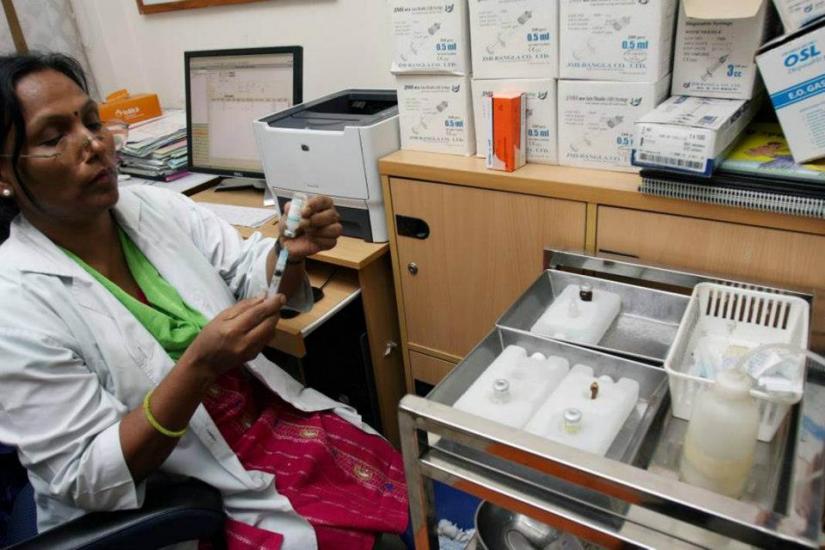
<point x="795" y="13"/>
<point x="514" y="38"/>
<point x="430" y="36"/>
<point x="435" y="114"/>
<point x="623" y="40"/>
<point x="540" y="116"/>
<point x="674" y="146"/>
<point x="715" y="58"/>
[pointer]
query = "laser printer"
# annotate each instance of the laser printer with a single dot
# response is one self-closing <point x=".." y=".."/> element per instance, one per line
<point x="331" y="146"/>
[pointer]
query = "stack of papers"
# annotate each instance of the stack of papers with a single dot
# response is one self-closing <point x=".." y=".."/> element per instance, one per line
<point x="241" y="215"/>
<point x="156" y="148"/>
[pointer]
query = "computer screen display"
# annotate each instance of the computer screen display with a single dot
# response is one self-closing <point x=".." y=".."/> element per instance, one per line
<point x="226" y="90"/>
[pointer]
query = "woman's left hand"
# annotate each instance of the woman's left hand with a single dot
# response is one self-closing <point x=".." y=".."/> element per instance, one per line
<point x="319" y="230"/>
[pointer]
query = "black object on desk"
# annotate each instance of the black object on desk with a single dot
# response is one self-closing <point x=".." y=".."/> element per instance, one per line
<point x="233" y="184"/>
<point x="337" y="362"/>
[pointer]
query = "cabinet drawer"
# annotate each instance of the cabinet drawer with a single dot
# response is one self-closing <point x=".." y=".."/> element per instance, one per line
<point x="483" y="249"/>
<point x="743" y="252"/>
<point x="429" y="369"/>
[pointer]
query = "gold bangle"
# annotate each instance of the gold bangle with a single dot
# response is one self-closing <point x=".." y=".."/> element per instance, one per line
<point x="154" y="421"/>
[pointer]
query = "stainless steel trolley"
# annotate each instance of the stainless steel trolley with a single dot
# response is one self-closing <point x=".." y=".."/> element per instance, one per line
<point x="632" y="497"/>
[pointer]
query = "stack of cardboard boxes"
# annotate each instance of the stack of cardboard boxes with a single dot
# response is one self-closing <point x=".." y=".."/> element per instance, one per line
<point x="614" y="66"/>
<point x="594" y="72"/>
<point x="515" y="47"/>
<point x="432" y="65"/>
<point x="715" y="89"/>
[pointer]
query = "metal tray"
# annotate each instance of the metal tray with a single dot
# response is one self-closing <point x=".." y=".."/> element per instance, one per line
<point x="644" y="329"/>
<point x="652" y="380"/>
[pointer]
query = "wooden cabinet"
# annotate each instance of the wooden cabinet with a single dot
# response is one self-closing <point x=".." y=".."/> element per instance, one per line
<point x="429" y="369"/>
<point x="484" y="248"/>
<point x="754" y="254"/>
<point x="488" y="229"/>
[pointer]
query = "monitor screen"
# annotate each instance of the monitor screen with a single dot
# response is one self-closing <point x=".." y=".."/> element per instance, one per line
<point x="226" y="90"/>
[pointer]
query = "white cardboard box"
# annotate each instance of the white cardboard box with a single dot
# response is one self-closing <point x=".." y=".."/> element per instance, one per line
<point x="542" y="134"/>
<point x="436" y="114"/>
<point x="625" y="40"/>
<point x="596" y="120"/>
<point x="514" y="38"/>
<point x="430" y="36"/>
<point x="715" y="46"/>
<point x="689" y="134"/>
<point x="795" y="13"/>
<point x="793" y="68"/>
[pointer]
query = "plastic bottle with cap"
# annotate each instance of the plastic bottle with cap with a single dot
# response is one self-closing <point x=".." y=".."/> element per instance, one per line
<point x="721" y="437"/>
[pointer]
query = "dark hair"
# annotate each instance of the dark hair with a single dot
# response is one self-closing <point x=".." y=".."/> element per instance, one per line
<point x="12" y="69"/>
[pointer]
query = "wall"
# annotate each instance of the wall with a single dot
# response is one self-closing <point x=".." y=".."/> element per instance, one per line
<point x="6" y="42"/>
<point x="51" y="25"/>
<point x="346" y="42"/>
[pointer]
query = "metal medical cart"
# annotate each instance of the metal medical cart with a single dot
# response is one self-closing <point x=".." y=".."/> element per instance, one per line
<point x="632" y="497"/>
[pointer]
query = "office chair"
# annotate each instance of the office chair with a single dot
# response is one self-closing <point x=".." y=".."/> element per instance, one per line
<point x="173" y="512"/>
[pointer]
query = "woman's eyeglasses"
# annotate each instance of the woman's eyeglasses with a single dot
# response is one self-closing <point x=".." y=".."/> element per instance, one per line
<point x="71" y="145"/>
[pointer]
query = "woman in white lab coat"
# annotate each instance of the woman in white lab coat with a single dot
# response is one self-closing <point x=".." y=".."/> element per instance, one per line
<point x="131" y="326"/>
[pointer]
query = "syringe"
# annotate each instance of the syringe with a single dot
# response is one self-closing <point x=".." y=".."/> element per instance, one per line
<point x="293" y="220"/>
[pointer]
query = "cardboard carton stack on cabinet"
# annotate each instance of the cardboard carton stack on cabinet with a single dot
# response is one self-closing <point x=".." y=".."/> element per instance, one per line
<point x="431" y="61"/>
<point x="515" y="48"/>
<point x="614" y="67"/>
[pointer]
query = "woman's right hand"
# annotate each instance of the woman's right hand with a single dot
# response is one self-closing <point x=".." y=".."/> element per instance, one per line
<point x="236" y="335"/>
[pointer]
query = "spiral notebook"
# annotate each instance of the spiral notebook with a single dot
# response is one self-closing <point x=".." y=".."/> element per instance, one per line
<point x="759" y="173"/>
<point x="741" y="198"/>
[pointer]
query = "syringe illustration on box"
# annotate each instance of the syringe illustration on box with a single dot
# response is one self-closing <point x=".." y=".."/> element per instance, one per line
<point x="589" y="50"/>
<point x="505" y="35"/>
<point x="586" y="142"/>
<point x="715" y="67"/>
<point x="416" y="45"/>
<point x="424" y="119"/>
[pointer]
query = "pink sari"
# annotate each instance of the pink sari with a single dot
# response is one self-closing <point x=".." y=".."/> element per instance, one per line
<point x="349" y="485"/>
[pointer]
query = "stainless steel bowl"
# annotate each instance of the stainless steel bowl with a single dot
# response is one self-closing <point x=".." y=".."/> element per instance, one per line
<point x="500" y="529"/>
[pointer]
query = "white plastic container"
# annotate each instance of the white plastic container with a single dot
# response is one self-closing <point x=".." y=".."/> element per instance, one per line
<point x="747" y="318"/>
<point x="603" y="411"/>
<point x="721" y="438"/>
<point x="514" y="386"/>
<point x="573" y="319"/>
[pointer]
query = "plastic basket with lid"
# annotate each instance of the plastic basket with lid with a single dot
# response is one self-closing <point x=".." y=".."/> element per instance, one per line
<point x="721" y="325"/>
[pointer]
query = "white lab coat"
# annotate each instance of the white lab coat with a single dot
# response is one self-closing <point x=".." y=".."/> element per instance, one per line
<point x="74" y="361"/>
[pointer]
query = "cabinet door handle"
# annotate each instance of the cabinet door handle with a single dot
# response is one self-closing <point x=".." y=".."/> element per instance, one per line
<point x="412" y="268"/>
<point x="411" y="227"/>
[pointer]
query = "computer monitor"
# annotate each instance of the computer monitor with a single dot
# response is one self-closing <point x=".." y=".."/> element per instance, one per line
<point x="226" y="90"/>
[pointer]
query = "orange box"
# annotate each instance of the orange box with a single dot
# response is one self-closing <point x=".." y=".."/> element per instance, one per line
<point x="504" y="120"/>
<point x="120" y="105"/>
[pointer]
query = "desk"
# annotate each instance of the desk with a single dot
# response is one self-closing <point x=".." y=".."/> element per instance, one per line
<point x="359" y="267"/>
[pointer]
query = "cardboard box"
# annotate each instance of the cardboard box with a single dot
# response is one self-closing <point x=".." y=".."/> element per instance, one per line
<point x="430" y="37"/>
<point x="596" y="120"/>
<point x="795" y="13"/>
<point x="436" y="114"/>
<point x="120" y="105"/>
<point x="514" y="38"/>
<point x="626" y="40"/>
<point x="504" y="117"/>
<point x="715" y="45"/>
<point x="690" y="134"/>
<point x="793" y="68"/>
<point x="542" y="135"/>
